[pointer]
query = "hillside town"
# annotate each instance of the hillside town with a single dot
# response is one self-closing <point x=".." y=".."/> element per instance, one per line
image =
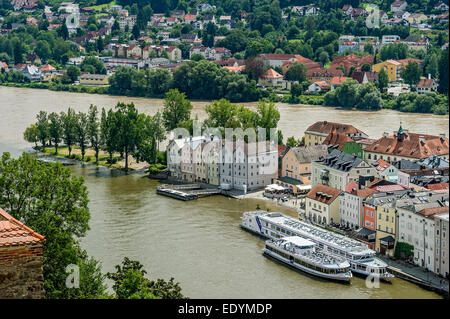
<point x="407" y="48"/>
<point x="389" y="192"/>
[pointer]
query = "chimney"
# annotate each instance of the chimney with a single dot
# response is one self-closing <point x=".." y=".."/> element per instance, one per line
<point x="422" y="139"/>
<point x="405" y="131"/>
<point x="442" y="136"/>
<point x="429" y="76"/>
<point x="386" y="134"/>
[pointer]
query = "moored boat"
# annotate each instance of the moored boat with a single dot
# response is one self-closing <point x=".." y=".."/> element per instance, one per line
<point x="276" y="225"/>
<point x="301" y="254"/>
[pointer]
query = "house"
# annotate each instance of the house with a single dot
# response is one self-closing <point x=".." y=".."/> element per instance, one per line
<point x="189" y="38"/>
<point x="306" y="10"/>
<point x="344" y="143"/>
<point x="318" y="132"/>
<point x="337" y="81"/>
<point x="322" y="75"/>
<point x="347" y="9"/>
<point x="386" y="170"/>
<point x="296" y="164"/>
<point x="417" y="18"/>
<point x="31" y="71"/>
<point x="398" y="6"/>
<point x="405" y="145"/>
<point x="94" y="79"/>
<point x="416" y="212"/>
<point x="338" y="169"/>
<point x="319" y="86"/>
<point x="3" y="66"/>
<point x="322" y="204"/>
<point x="441" y="6"/>
<point x="358" y="12"/>
<point x="426" y="86"/>
<point x="272" y="78"/>
<point x="380" y="215"/>
<point x="273" y="60"/>
<point x="351" y="205"/>
<point x="442" y="243"/>
<point x="248" y="166"/>
<point x="364" y="77"/>
<point x="351" y="61"/>
<point x="21" y="261"/>
<point x="204" y="7"/>
<point x="216" y="53"/>
<point x="393" y="69"/>
<point x="389" y="39"/>
<point x="33" y="59"/>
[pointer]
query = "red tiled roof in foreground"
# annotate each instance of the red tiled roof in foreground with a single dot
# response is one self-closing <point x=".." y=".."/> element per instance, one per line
<point x="324" y="194"/>
<point x="13" y="232"/>
<point x="437" y="187"/>
<point x="326" y="127"/>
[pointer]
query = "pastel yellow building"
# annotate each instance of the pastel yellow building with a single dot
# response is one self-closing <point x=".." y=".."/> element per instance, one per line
<point x="386" y="228"/>
<point x="393" y="69"/>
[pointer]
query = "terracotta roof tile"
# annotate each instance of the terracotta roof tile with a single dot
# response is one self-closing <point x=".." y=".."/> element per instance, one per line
<point x="326" y="127"/>
<point x="13" y="232"/>
<point x="324" y="194"/>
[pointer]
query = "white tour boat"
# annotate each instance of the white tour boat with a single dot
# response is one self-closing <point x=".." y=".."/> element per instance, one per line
<point x="276" y="225"/>
<point x="300" y="253"/>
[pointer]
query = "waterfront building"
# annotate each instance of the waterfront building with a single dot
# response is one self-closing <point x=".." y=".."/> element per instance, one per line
<point x="405" y="145"/>
<point x="416" y="226"/>
<point x="387" y="171"/>
<point x="442" y="243"/>
<point x="21" y="261"/>
<point x="338" y="169"/>
<point x="319" y="131"/>
<point x="94" y="79"/>
<point x="322" y="204"/>
<point x="393" y="69"/>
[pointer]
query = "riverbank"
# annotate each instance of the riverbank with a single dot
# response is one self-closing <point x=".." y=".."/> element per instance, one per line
<point x="302" y="100"/>
<point x="103" y="158"/>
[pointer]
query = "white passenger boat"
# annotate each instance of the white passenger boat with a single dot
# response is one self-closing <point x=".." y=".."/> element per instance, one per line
<point x="276" y="225"/>
<point x="300" y="253"/>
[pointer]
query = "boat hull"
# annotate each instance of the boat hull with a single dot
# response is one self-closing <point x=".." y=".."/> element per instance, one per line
<point x="341" y="279"/>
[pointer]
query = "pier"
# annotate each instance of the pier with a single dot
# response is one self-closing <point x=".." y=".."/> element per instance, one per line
<point x="187" y="192"/>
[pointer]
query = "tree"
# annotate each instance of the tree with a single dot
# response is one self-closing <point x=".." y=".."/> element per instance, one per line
<point x="69" y="123"/>
<point x="347" y="93"/>
<point x="128" y="129"/>
<point x="292" y="142"/>
<point x="177" y="109"/>
<point x="268" y="116"/>
<point x="324" y="57"/>
<point x="365" y="67"/>
<point x="31" y="134"/>
<point x="296" y="90"/>
<point x="48" y="199"/>
<point x="254" y="67"/>
<point x="81" y="132"/>
<point x="383" y="79"/>
<point x="42" y="126"/>
<point x="73" y="73"/>
<point x="94" y="130"/>
<point x="108" y="132"/>
<point x="443" y="72"/>
<point x="55" y="129"/>
<point x="296" y="72"/>
<point x="222" y="114"/>
<point x="411" y="73"/>
<point x="130" y="283"/>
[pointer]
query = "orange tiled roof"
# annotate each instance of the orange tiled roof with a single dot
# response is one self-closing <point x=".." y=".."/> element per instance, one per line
<point x="326" y="127"/>
<point x="272" y="74"/>
<point x="437" y="187"/>
<point x="338" y="80"/>
<point x="425" y="83"/>
<point x="13" y="232"/>
<point x="337" y="139"/>
<point x="324" y="194"/>
<point x="411" y="146"/>
<point x="430" y="212"/>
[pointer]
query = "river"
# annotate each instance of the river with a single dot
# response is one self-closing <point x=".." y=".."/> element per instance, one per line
<point x="199" y="243"/>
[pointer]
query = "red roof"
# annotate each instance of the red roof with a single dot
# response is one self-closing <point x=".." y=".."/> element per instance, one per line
<point x="413" y="145"/>
<point x="437" y="187"/>
<point x="430" y="212"/>
<point x="337" y="139"/>
<point x="326" y="127"/>
<point x="338" y="80"/>
<point x="272" y="74"/>
<point x="13" y="232"/>
<point x="425" y="83"/>
<point x="324" y="194"/>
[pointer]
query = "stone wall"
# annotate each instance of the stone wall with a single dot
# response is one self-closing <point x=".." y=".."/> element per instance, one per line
<point x="21" y="274"/>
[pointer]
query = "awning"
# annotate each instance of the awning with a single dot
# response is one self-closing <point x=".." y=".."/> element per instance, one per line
<point x="366" y="232"/>
<point x="388" y="239"/>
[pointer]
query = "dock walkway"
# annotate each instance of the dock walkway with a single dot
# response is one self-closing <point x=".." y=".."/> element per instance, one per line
<point x="187" y="191"/>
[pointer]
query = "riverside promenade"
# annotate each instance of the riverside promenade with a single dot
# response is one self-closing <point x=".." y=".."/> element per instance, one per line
<point x="418" y="275"/>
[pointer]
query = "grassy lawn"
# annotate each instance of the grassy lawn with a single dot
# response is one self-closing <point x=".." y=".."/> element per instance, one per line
<point x="101" y="6"/>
